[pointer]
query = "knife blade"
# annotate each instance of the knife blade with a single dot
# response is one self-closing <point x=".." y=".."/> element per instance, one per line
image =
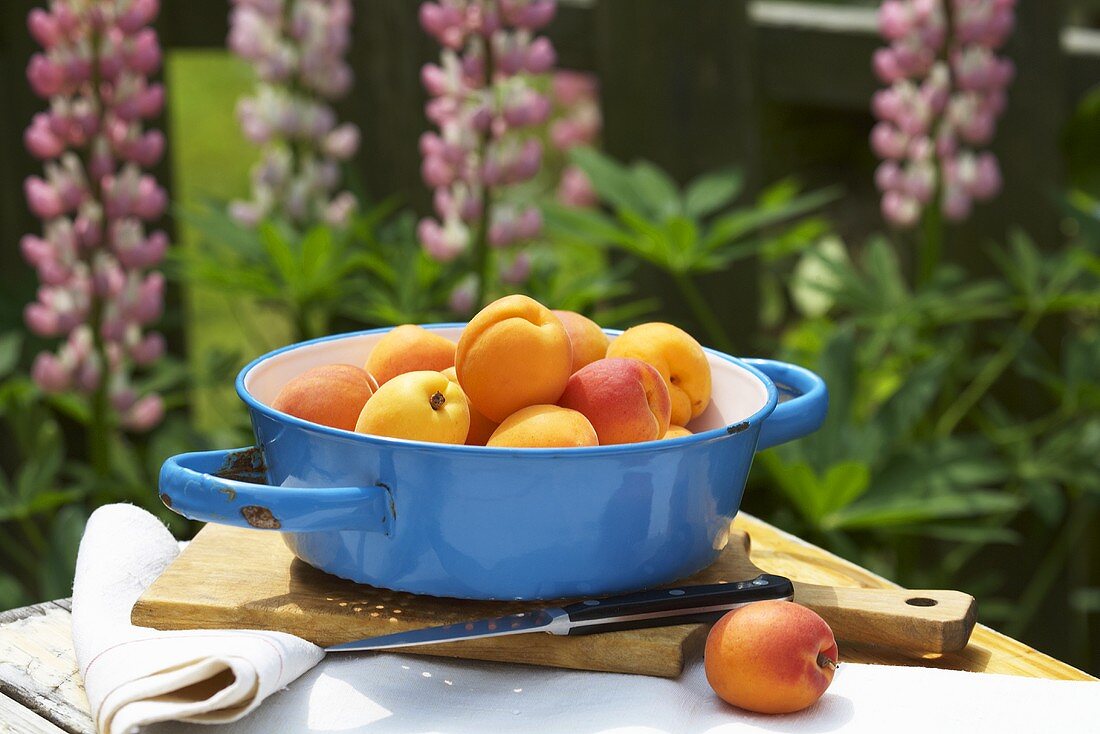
<point x="656" y="608"/>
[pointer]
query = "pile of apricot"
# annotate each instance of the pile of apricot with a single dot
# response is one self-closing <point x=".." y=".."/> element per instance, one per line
<point x="520" y="375"/>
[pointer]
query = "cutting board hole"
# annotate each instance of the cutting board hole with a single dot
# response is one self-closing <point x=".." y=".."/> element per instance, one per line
<point x="921" y="601"/>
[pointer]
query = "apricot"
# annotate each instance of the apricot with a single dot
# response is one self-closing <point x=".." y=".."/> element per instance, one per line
<point x="409" y="348"/>
<point x="772" y="657"/>
<point x="480" y="426"/>
<point x="585" y="336"/>
<point x="512" y="354"/>
<point x="677" y="432"/>
<point x="418" y="406"/>
<point x="544" y="426"/>
<point x="625" y="400"/>
<point x="331" y="395"/>
<point x="680" y="360"/>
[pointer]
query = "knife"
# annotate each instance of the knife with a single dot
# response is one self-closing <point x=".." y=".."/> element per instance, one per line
<point x="656" y="608"/>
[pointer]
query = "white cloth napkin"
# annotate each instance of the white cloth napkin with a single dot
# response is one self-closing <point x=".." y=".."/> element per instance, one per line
<point x="135" y="675"/>
<point x="124" y="549"/>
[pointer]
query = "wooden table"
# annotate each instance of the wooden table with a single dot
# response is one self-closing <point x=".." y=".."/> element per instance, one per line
<point x="41" y="691"/>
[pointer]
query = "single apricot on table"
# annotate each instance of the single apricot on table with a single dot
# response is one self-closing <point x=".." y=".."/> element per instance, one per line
<point x="680" y="360"/>
<point x="588" y="340"/>
<point x="513" y="353"/>
<point x="625" y="400"/>
<point x="481" y="428"/>
<point x="772" y="657"/>
<point x="330" y="395"/>
<point x="544" y="426"/>
<point x="418" y="406"/>
<point x="409" y="348"/>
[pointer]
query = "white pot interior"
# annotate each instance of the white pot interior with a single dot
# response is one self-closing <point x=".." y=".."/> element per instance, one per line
<point x="736" y="393"/>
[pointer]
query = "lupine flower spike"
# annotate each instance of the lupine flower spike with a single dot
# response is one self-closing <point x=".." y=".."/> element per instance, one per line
<point x="947" y="89"/>
<point x="481" y="102"/>
<point x="297" y="49"/>
<point x="94" y="257"/>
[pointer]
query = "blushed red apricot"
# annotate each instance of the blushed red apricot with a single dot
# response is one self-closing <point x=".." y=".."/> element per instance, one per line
<point x="331" y="395"/>
<point x="680" y="360"/>
<point x="625" y="400"/>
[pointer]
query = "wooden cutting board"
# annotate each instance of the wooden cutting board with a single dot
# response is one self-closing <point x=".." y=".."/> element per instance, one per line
<point x="235" y="578"/>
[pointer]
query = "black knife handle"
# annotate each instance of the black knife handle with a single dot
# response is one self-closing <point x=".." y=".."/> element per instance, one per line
<point x="680" y="605"/>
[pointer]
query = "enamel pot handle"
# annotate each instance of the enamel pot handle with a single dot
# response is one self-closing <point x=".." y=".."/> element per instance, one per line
<point x="229" y="487"/>
<point x="804" y="401"/>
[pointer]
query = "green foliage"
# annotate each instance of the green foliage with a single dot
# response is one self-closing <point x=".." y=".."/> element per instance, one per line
<point x="47" y="486"/>
<point x="686" y="232"/>
<point x="319" y="275"/>
<point x="958" y="425"/>
<point x="374" y="272"/>
<point x="953" y="424"/>
<point x="691" y="231"/>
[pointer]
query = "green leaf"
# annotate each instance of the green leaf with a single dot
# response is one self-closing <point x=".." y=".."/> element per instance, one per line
<point x="11" y="345"/>
<point x="880" y="262"/>
<point x="814" y="280"/>
<point x="612" y="181"/>
<point x="657" y="189"/>
<point x="278" y="249"/>
<point x="318" y="250"/>
<point x="683" y="238"/>
<point x="712" y="191"/>
<point x="127" y="467"/>
<point x="965" y="533"/>
<point x="843" y="484"/>
<point x="581" y="225"/>
<point x="650" y="241"/>
<point x="816" y="496"/>
<point x="55" y="577"/>
<point x="1046" y="499"/>
<point x="796" y="480"/>
<point x="909" y="510"/>
<point x="45" y="502"/>
<point x="39" y="471"/>
<point x="12" y="594"/>
<point x="737" y="224"/>
<point x="71" y="405"/>
<point x="951" y="466"/>
<point x="912" y="401"/>
<point x="1085" y="600"/>
<point x="218" y="229"/>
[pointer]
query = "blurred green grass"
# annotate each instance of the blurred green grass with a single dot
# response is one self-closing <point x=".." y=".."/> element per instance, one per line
<point x="211" y="161"/>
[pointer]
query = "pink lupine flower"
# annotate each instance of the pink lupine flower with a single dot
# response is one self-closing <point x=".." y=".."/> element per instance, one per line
<point x="482" y="103"/>
<point x="464" y="296"/>
<point x="444" y="243"/>
<point x="94" y="256"/>
<point x="519" y="270"/>
<point x="50" y="374"/>
<point x="147" y="412"/>
<point x="579" y="123"/>
<point x="297" y="49"/>
<point x="944" y="98"/>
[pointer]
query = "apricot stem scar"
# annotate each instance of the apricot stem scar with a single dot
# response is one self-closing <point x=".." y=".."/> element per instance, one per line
<point x="437" y="400"/>
<point x="824" y="661"/>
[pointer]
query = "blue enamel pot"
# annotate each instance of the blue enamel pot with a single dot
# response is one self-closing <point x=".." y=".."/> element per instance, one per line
<point x="493" y="523"/>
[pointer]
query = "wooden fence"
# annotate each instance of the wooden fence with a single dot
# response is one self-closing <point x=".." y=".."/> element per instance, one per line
<point x="777" y="87"/>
